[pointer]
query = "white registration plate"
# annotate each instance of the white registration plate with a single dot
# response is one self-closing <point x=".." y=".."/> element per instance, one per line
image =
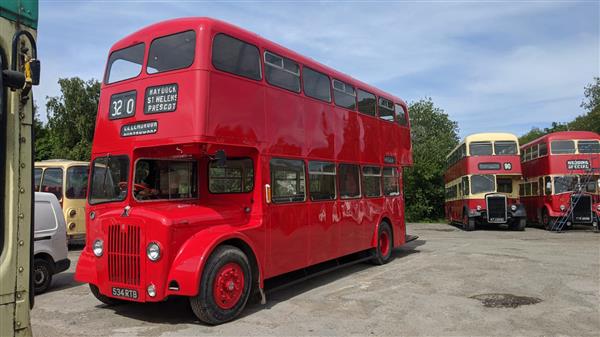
<point x="123" y="292"/>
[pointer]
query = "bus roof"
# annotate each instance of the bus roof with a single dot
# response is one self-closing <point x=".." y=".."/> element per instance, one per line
<point x="564" y="135"/>
<point x="63" y="163"/>
<point x="210" y="24"/>
<point x="486" y="136"/>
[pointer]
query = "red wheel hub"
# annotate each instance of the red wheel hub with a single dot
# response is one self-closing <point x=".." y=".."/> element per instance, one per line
<point x="384" y="243"/>
<point x="228" y="285"/>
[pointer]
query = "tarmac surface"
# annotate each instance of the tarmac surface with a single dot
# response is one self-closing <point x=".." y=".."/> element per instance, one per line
<point x="448" y="282"/>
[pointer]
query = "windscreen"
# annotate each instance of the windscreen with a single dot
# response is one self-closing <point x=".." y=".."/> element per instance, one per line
<point x="482" y="183"/>
<point x="110" y="176"/>
<point x="160" y="179"/>
<point x="125" y="63"/>
<point x="171" y="52"/>
<point x="503" y="148"/>
<point x="564" y="184"/>
<point x="77" y="182"/>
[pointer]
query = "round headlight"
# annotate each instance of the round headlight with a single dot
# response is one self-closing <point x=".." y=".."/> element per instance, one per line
<point x="98" y="247"/>
<point x="513" y="207"/>
<point x="153" y="251"/>
<point x="563" y="208"/>
<point x="151" y="290"/>
<point x="479" y="207"/>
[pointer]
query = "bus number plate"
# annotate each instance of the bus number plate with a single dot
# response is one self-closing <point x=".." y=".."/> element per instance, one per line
<point x="127" y="293"/>
<point x="122" y="105"/>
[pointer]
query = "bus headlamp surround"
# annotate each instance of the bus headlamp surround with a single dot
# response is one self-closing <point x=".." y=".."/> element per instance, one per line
<point x="513" y="207"/>
<point x="98" y="247"/>
<point x="563" y="208"/>
<point x="153" y="251"/>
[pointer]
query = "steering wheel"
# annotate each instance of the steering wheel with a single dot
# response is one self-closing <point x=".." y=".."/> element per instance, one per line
<point x="136" y="187"/>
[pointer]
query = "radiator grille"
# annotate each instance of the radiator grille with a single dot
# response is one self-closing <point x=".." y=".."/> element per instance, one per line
<point x="582" y="210"/>
<point x="496" y="208"/>
<point x="124" y="254"/>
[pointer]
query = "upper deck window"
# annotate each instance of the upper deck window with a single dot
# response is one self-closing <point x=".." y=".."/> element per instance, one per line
<point x="235" y="56"/>
<point x="344" y="95"/>
<point x="367" y="103"/>
<point x="171" y="52"/>
<point x="160" y="179"/>
<point x="77" y="182"/>
<point x="386" y="109"/>
<point x="109" y="179"/>
<point x="562" y="146"/>
<point x="316" y="84"/>
<point x="588" y="146"/>
<point x="282" y="72"/>
<point x="503" y="148"/>
<point x="481" y="149"/>
<point x="543" y="149"/>
<point x="400" y="114"/>
<point x="125" y="63"/>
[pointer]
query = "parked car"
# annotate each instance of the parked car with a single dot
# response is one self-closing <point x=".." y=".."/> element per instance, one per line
<point x="50" y="241"/>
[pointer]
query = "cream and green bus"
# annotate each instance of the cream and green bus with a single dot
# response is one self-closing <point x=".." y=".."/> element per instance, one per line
<point x="68" y="180"/>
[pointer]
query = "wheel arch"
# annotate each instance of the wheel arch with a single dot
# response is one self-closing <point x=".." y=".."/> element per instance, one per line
<point x="46" y="257"/>
<point x="384" y="218"/>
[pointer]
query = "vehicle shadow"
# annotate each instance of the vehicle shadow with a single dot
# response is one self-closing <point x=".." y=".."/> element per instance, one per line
<point x="176" y="310"/>
<point x="62" y="281"/>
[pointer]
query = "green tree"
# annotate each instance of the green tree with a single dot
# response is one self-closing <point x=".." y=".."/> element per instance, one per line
<point x="434" y="135"/>
<point x="71" y="118"/>
<point x="592" y="95"/>
<point x="43" y="147"/>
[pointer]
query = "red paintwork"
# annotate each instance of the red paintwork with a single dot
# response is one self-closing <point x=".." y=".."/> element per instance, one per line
<point x="246" y="118"/>
<point x="556" y="165"/>
<point x="470" y="165"/>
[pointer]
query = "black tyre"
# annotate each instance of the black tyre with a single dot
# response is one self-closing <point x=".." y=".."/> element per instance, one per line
<point x="468" y="223"/>
<point x="104" y="299"/>
<point x="547" y="220"/>
<point x="225" y="286"/>
<point x="42" y="275"/>
<point x="385" y="244"/>
<point x="518" y="224"/>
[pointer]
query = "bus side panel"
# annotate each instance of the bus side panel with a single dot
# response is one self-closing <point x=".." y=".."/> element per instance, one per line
<point x="369" y="139"/>
<point x="347" y="142"/>
<point x="289" y="234"/>
<point x="321" y="129"/>
<point x="325" y="237"/>
<point x="238" y="102"/>
<point x="285" y="120"/>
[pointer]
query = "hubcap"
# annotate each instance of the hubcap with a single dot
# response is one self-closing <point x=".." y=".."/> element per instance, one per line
<point x="384" y="243"/>
<point x="228" y="286"/>
<point x="38" y="276"/>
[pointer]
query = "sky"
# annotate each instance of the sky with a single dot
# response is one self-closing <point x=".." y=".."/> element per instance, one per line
<point x="491" y="66"/>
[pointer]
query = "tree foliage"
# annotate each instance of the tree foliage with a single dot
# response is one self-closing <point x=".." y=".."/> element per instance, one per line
<point x="434" y="135"/>
<point x="589" y="121"/>
<point x="71" y="119"/>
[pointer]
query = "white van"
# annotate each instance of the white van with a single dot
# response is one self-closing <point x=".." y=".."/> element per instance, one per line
<point x="49" y="241"/>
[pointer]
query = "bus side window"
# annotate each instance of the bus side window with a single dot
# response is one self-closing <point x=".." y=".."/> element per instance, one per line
<point x="349" y="181"/>
<point x="465" y="181"/>
<point x="288" y="180"/>
<point x="548" y="186"/>
<point x="235" y="176"/>
<point x="52" y="182"/>
<point x="235" y="56"/>
<point x="322" y="180"/>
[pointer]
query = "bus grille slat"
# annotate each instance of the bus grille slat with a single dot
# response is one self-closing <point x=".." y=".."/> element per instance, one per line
<point x="124" y="254"/>
<point x="496" y="208"/>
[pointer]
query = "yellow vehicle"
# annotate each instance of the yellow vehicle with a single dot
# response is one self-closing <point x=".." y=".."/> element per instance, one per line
<point x="20" y="70"/>
<point x="68" y="180"/>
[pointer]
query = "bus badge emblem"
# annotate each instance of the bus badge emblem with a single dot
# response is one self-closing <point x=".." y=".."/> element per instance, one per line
<point x="507" y="166"/>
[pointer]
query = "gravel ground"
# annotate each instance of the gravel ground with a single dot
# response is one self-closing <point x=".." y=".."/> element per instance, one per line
<point x="448" y="282"/>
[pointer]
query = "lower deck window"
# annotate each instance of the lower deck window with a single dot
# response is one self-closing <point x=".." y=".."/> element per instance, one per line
<point x="349" y="181"/>
<point x="287" y="180"/>
<point x="233" y="176"/>
<point x="322" y="180"/>
<point x="505" y="185"/>
<point x="160" y="179"/>
<point x="372" y="181"/>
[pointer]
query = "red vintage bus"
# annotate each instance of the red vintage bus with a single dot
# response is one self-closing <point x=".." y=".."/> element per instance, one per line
<point x="562" y="170"/>
<point x="482" y="176"/>
<point x="221" y="159"/>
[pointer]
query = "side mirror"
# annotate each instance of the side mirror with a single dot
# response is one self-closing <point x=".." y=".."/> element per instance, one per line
<point x="35" y="68"/>
<point x="220" y="157"/>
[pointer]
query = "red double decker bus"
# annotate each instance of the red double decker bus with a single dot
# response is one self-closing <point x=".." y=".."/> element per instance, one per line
<point x="481" y="180"/>
<point x="562" y="179"/>
<point x="221" y="159"/>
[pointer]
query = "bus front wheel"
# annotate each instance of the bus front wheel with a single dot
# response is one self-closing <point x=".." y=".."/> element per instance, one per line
<point x="547" y="220"/>
<point x="468" y="223"/>
<point x="225" y="286"/>
<point x="383" y="252"/>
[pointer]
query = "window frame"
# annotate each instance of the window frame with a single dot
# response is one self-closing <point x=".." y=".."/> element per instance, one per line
<point x="91" y="177"/>
<point x="588" y="141"/>
<point x="272" y="183"/>
<point x="404" y="121"/>
<point x="563" y="140"/>
<point x="38" y="181"/>
<point x="395" y="175"/>
<point x="335" y="179"/>
<point x="109" y="65"/>
<point x="483" y="142"/>
<point x="344" y="92"/>
<point x="212" y="62"/>
<point x="166" y="159"/>
<point x="62" y="180"/>
<point x="393" y="109"/>
<point x="242" y="178"/>
<point x="147" y="54"/>
<point x="282" y="67"/>
<point x="67" y="181"/>
<point x="375" y="113"/>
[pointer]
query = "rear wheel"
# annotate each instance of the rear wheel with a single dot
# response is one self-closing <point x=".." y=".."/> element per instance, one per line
<point x="104" y="299"/>
<point x="42" y="275"/>
<point x="225" y="286"/>
<point x="383" y="252"/>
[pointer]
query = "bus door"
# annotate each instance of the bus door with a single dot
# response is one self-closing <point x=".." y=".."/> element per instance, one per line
<point x="288" y="223"/>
